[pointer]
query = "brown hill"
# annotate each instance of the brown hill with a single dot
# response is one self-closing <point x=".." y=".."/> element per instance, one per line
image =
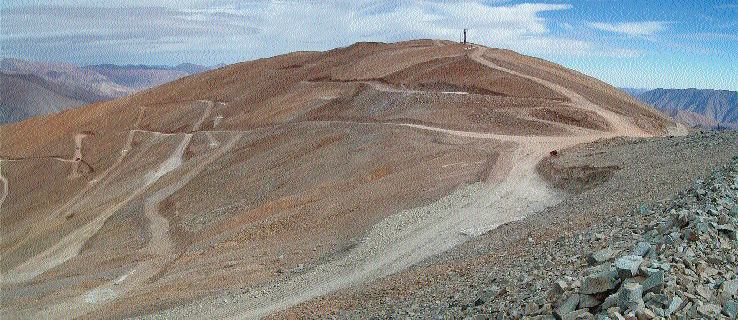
<point x="285" y="178"/>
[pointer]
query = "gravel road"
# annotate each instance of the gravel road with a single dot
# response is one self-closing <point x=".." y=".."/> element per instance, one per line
<point x="639" y="171"/>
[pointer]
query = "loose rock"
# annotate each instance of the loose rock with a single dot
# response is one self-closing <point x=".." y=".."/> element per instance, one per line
<point x="628" y="266"/>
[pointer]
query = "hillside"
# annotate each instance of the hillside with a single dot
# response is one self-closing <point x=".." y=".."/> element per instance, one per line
<point x="24" y="96"/>
<point x="696" y="107"/>
<point x="68" y="86"/>
<point x="626" y="196"/>
<point x="281" y="180"/>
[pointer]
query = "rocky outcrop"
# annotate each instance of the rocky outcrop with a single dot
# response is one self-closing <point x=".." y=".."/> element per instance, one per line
<point x="683" y="265"/>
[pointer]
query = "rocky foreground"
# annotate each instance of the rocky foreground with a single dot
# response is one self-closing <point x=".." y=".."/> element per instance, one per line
<point x="683" y="264"/>
<point x="674" y="260"/>
<point x="648" y="231"/>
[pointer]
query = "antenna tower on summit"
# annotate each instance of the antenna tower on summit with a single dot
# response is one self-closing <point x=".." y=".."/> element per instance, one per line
<point x="465" y="35"/>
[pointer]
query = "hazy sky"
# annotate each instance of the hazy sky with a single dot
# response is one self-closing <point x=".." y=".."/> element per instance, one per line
<point x="643" y="43"/>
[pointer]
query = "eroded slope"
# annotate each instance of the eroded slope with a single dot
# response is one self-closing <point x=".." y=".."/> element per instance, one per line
<point x="288" y="170"/>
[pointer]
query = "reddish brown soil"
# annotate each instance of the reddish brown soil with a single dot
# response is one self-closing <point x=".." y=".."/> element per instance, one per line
<point x="317" y="157"/>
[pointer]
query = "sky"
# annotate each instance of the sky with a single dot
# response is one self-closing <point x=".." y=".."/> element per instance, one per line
<point x="627" y="43"/>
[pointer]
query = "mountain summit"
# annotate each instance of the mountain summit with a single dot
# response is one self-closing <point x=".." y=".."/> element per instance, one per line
<point x="286" y="178"/>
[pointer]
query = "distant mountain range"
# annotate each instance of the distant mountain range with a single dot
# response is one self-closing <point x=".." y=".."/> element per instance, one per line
<point x="695" y="107"/>
<point x="139" y="77"/>
<point x="25" y="95"/>
<point x="634" y="91"/>
<point x="31" y="88"/>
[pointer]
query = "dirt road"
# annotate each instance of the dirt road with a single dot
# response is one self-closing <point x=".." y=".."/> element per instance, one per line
<point x="159" y="242"/>
<point x="5" y="186"/>
<point x="71" y="244"/>
<point x="513" y="191"/>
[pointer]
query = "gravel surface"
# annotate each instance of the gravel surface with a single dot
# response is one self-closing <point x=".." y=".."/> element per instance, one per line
<point x="513" y="267"/>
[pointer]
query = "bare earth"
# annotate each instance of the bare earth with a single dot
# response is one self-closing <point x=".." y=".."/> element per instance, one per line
<point x="642" y="171"/>
<point x="258" y="186"/>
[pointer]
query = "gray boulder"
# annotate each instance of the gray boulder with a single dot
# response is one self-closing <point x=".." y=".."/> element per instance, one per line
<point x="654" y="283"/>
<point x="641" y="249"/>
<point x="600" y="256"/>
<point x="627" y="266"/>
<point x="730" y="309"/>
<point x="631" y="296"/>
<point x="568" y="306"/>
<point x="599" y="282"/>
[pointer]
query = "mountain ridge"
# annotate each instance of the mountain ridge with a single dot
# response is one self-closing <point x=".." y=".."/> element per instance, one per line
<point x="30" y="90"/>
<point x="710" y="108"/>
<point x="73" y="86"/>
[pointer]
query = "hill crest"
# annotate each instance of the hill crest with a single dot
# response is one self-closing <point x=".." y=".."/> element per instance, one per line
<point x="306" y="172"/>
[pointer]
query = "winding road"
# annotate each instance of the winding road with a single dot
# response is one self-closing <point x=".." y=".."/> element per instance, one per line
<point x="5" y="186"/>
<point x="513" y="192"/>
<point x="71" y="244"/>
<point x="159" y="242"/>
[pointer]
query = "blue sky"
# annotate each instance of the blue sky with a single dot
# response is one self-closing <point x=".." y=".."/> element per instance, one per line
<point x="644" y="44"/>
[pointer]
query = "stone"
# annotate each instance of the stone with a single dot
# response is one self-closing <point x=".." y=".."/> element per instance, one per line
<point x="569" y="305"/>
<point x="588" y="301"/>
<point x="641" y="249"/>
<point x="673" y="238"/>
<point x="576" y="284"/>
<point x="560" y="287"/>
<point x="546" y="309"/>
<point x="531" y="308"/>
<point x="704" y="292"/>
<point x="598" y="282"/>
<point x="484" y="297"/>
<point x="630" y="315"/>
<point x="614" y="313"/>
<point x="663" y="266"/>
<point x="660" y="299"/>
<point x="658" y="311"/>
<point x="729" y="231"/>
<point x="645" y="314"/>
<point x="709" y="310"/>
<point x="627" y="266"/>
<point x="643" y="209"/>
<point x="730" y="289"/>
<point x="654" y="283"/>
<point x="610" y="302"/>
<point x="691" y="235"/>
<point x="631" y="296"/>
<point x="601" y="256"/>
<point x="578" y="315"/>
<point x="689" y="296"/>
<point x="709" y="272"/>
<point x="730" y="309"/>
<point x="701" y="192"/>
